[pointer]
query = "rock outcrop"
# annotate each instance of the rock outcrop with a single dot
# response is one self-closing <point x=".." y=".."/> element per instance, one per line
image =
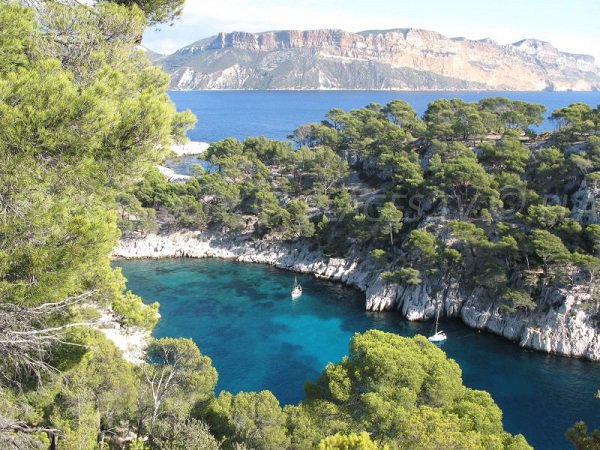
<point x="400" y="59"/>
<point x="132" y="341"/>
<point x="585" y="203"/>
<point x="559" y="325"/>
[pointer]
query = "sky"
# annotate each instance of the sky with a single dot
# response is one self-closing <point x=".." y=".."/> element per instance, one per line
<point x="571" y="25"/>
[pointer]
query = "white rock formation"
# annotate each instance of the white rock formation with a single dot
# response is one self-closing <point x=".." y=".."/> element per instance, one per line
<point x="173" y="176"/>
<point x="190" y="148"/>
<point x="585" y="203"/>
<point x="558" y="325"/>
<point x="130" y="340"/>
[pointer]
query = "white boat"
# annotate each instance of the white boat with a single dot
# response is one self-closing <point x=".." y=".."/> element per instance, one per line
<point x="297" y="291"/>
<point x="439" y="335"/>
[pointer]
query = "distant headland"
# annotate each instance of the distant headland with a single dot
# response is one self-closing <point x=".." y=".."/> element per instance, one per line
<point x="398" y="59"/>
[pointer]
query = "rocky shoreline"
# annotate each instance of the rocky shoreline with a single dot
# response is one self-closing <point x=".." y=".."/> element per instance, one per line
<point x="557" y="326"/>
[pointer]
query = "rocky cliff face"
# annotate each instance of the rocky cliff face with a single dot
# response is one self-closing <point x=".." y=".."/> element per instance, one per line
<point x="586" y="201"/>
<point x="389" y="59"/>
<point x="559" y="325"/>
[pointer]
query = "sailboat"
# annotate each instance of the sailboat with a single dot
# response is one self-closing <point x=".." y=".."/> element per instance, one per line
<point x="297" y="291"/>
<point x="439" y="335"/>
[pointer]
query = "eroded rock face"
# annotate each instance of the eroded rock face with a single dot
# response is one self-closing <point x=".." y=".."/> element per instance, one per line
<point x="559" y="325"/>
<point x="388" y="59"/>
<point x="585" y="203"/>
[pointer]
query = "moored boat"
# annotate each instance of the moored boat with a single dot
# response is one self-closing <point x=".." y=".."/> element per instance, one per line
<point x="297" y="290"/>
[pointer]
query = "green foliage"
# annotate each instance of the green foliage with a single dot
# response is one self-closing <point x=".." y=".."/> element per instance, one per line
<point x="547" y="217"/>
<point x="17" y="37"/>
<point x="404" y="168"/>
<point x="456" y="119"/>
<point x="84" y="117"/>
<point x="575" y="119"/>
<point x="549" y="248"/>
<point x="390" y="220"/>
<point x="96" y="394"/>
<point x="582" y="440"/>
<point x="380" y="256"/>
<point x="253" y="418"/>
<point x="404" y="275"/>
<point x="423" y="247"/>
<point x="593" y="236"/>
<point x="551" y="170"/>
<point x="505" y="155"/>
<point x="464" y="182"/>
<point x="327" y="168"/>
<point x="131" y="311"/>
<point x="517" y="299"/>
<point x="191" y="434"/>
<point x="353" y="441"/>
<point x="502" y="114"/>
<point x="300" y="224"/>
<point x="401" y="113"/>
<point x="176" y="376"/>
<point x="157" y="11"/>
<point x="137" y="444"/>
<point x="404" y="391"/>
<point x="453" y="119"/>
<point x="132" y="216"/>
<point x="270" y="213"/>
<point x="359" y="227"/>
<point x="71" y="132"/>
<point x="472" y="235"/>
<point x="314" y="135"/>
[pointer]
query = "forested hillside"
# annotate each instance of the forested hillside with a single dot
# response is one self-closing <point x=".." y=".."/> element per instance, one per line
<point x="84" y="117"/>
<point x="467" y="191"/>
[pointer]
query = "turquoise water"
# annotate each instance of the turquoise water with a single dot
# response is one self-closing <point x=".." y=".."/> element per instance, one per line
<point x="242" y="316"/>
<point x="276" y="114"/>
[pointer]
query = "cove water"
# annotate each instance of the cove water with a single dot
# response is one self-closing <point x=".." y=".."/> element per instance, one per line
<point x="242" y="316"/>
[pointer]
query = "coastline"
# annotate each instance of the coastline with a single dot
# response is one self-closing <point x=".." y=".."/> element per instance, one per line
<point x="565" y="330"/>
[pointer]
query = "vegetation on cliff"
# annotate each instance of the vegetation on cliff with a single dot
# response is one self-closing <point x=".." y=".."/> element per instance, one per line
<point x="468" y="191"/>
<point x="84" y="117"/>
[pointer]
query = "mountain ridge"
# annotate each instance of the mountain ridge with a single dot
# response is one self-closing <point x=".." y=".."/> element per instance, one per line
<point x="395" y="59"/>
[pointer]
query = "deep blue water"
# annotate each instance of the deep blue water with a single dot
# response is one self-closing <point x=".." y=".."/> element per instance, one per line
<point x="276" y="114"/>
<point x="242" y="316"/>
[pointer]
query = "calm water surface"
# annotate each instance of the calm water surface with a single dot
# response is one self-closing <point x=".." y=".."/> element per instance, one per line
<point x="242" y="316"/>
<point x="276" y="114"/>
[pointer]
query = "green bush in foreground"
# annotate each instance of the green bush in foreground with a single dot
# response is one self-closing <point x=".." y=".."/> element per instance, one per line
<point x="389" y="392"/>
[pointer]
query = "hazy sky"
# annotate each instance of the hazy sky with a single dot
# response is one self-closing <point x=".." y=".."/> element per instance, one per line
<point x="571" y="25"/>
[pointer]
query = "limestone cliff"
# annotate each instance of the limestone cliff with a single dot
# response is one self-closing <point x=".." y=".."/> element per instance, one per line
<point x="558" y="325"/>
<point x="402" y="59"/>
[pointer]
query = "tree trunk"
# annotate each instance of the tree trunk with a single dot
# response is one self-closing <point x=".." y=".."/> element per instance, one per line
<point x="53" y="441"/>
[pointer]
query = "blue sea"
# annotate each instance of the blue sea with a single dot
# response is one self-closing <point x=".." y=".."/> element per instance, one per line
<point x="242" y="316"/>
<point x="276" y="114"/>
